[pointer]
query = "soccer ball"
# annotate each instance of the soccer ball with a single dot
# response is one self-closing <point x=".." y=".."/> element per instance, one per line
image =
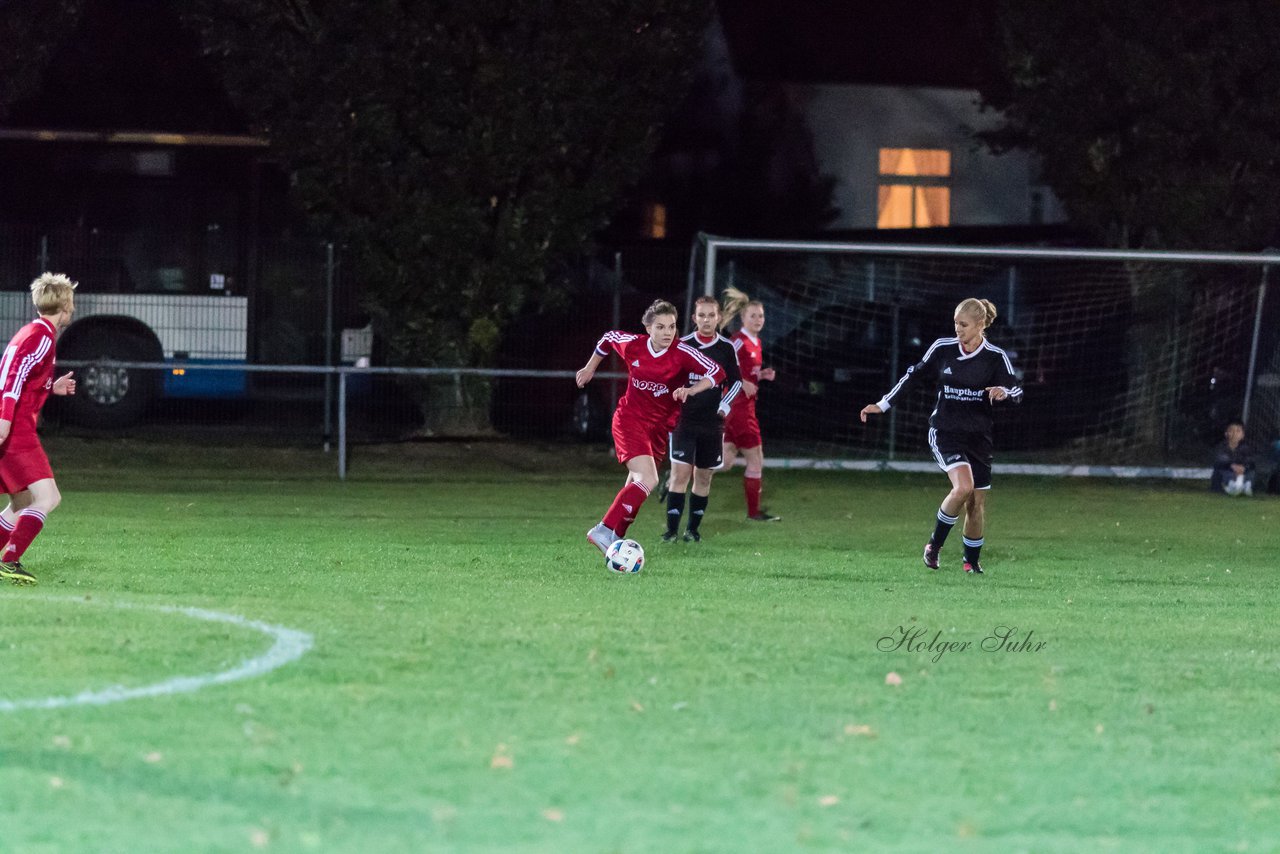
<point x="624" y="557"/>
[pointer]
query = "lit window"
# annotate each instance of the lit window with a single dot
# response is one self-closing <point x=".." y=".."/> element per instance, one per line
<point x="655" y="220"/>
<point x="914" y="188"/>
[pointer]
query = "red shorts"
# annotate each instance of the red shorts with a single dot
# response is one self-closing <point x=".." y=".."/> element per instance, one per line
<point x="741" y="429"/>
<point x="22" y="463"/>
<point x="634" y="439"/>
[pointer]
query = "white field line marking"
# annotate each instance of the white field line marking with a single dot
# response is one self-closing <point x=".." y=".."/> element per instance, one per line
<point x="290" y="645"/>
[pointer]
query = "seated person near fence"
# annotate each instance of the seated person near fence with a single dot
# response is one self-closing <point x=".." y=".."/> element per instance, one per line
<point x="1233" y="463"/>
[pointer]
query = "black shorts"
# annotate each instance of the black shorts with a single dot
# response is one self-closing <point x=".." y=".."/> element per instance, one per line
<point x="699" y="446"/>
<point x="957" y="449"/>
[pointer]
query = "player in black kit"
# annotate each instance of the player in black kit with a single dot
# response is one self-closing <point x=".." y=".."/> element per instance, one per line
<point x="698" y="441"/>
<point x="971" y="374"/>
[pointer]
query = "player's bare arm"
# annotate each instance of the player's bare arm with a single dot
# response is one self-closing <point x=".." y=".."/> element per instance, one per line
<point x="64" y="384"/>
<point x="5" y="427"/>
<point x="768" y="374"/>
<point x="869" y="409"/>
<point x="588" y="370"/>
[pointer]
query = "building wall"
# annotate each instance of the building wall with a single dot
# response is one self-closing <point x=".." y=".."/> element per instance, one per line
<point x="850" y="124"/>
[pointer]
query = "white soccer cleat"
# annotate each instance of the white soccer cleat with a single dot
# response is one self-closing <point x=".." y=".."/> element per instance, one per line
<point x="601" y="537"/>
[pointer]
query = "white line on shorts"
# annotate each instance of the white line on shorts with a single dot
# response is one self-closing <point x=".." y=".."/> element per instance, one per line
<point x="290" y="645"/>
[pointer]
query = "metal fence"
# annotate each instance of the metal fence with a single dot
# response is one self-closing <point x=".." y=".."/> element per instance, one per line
<point x="308" y="372"/>
<point x="218" y="340"/>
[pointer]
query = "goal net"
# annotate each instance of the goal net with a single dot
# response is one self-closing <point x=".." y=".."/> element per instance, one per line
<point x="1126" y="358"/>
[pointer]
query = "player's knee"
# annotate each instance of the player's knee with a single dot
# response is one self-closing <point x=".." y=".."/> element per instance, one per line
<point x="42" y="496"/>
<point x="754" y="471"/>
<point x="702" y="479"/>
<point x="49" y="501"/>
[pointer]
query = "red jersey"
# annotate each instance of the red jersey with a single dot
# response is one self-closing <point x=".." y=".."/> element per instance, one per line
<point x="654" y="374"/>
<point x="27" y="371"/>
<point x="750" y="355"/>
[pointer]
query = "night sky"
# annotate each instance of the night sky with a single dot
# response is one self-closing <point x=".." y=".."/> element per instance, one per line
<point x="130" y="65"/>
<point x="923" y="43"/>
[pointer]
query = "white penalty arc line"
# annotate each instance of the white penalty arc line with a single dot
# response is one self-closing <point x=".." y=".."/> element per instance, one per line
<point x="290" y="645"/>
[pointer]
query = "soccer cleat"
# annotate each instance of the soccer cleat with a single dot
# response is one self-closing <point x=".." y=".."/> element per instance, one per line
<point x="764" y="516"/>
<point x="15" y="573"/>
<point x="601" y="537"/>
<point x="930" y="555"/>
<point x="692" y="537"/>
<point x="670" y="536"/>
<point x="973" y="568"/>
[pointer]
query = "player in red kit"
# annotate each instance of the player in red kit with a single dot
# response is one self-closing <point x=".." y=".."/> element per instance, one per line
<point x="741" y="429"/>
<point x="27" y="372"/>
<point x="658" y="369"/>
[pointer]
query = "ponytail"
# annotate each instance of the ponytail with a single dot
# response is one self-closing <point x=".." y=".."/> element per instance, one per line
<point x="732" y="304"/>
<point x="981" y="309"/>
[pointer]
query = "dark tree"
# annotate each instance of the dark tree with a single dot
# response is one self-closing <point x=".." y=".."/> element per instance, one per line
<point x="1158" y="122"/>
<point x="458" y="147"/>
<point x="739" y="158"/>
<point x="769" y="182"/>
<point x="30" y="32"/>
<point x="1158" y="125"/>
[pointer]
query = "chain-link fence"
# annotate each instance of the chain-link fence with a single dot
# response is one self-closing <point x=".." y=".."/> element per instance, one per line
<point x="268" y="343"/>
<point x="271" y="347"/>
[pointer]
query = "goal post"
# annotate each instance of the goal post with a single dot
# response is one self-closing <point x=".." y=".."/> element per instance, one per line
<point x="1128" y="358"/>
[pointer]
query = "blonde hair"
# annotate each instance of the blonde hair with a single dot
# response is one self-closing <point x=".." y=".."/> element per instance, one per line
<point x="982" y="309"/>
<point x="52" y="293"/>
<point x="659" y="306"/>
<point x="734" y="301"/>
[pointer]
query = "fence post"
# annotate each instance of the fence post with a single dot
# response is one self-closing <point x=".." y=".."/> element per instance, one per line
<point x="617" y="319"/>
<point x="893" y="377"/>
<point x="692" y="279"/>
<point x="709" y="275"/>
<point x="1011" y="296"/>
<point x="342" y="423"/>
<point x="328" y="344"/>
<point x="1253" y="348"/>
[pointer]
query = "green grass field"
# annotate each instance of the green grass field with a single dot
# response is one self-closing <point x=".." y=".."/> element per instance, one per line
<point x="479" y="682"/>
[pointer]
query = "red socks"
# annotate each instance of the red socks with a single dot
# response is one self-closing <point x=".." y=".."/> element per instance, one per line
<point x="625" y="507"/>
<point x="29" y="524"/>
<point x="751" y="486"/>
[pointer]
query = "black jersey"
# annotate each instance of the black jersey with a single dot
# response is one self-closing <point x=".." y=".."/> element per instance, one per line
<point x="701" y="409"/>
<point x="963" y="405"/>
